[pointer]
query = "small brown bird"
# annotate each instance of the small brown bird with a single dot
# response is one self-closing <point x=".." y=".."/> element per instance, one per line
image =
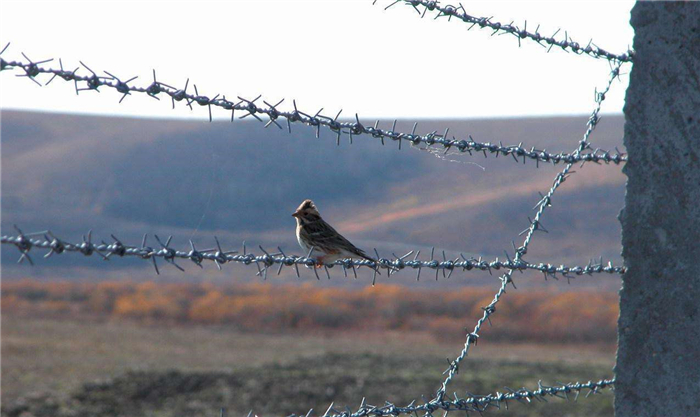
<point x="313" y="231"/>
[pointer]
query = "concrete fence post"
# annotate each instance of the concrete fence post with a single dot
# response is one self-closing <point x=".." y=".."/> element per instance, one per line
<point x="658" y="357"/>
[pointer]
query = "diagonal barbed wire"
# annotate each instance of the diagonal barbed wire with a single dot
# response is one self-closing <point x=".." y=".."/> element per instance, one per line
<point x="57" y="246"/>
<point x="254" y="109"/>
<point x="544" y="202"/>
<point x="548" y="42"/>
<point x="473" y="403"/>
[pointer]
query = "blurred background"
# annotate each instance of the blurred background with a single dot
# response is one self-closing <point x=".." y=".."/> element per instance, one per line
<point x="81" y="336"/>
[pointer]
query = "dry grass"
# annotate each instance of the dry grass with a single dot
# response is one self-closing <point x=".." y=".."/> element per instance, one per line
<point x="531" y="316"/>
<point x="305" y="345"/>
<point x="57" y="357"/>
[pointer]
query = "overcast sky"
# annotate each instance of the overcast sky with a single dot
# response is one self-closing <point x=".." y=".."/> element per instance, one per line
<point x="333" y="54"/>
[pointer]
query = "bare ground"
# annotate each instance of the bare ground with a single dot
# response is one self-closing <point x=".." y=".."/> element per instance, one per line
<point x="113" y="368"/>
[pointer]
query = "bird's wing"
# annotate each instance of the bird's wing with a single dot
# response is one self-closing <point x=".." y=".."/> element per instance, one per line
<point x="327" y="239"/>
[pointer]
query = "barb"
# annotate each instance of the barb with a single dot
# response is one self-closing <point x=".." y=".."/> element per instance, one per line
<point x="254" y="109"/>
<point x="567" y="44"/>
<point x="521" y="251"/>
<point x="474" y="403"/>
<point x="47" y="240"/>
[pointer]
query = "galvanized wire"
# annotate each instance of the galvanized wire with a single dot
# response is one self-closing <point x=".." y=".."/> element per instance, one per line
<point x="265" y="260"/>
<point x="544" y="202"/>
<point x="475" y="403"/>
<point x="548" y="42"/>
<point x="254" y="109"/>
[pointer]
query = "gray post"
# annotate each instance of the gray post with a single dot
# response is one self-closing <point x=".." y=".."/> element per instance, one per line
<point x="658" y="356"/>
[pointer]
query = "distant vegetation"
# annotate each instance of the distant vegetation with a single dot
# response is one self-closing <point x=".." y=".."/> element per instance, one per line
<point x="527" y="316"/>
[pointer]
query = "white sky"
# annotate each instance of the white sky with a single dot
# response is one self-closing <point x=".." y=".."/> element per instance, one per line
<point x="334" y="54"/>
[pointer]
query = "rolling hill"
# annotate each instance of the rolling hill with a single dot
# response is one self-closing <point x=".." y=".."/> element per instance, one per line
<point x="72" y="173"/>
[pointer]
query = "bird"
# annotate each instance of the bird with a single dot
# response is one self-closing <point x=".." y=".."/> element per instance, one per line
<point x="314" y="232"/>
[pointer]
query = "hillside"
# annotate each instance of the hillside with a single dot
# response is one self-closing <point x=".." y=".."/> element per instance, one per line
<point x="241" y="182"/>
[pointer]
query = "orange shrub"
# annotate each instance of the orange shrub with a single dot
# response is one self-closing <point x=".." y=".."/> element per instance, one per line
<point x="525" y="315"/>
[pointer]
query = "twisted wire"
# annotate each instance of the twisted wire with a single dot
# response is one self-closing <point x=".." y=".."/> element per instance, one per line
<point x="545" y="201"/>
<point x="475" y="403"/>
<point x="252" y="108"/>
<point x="165" y="252"/>
<point x="567" y="44"/>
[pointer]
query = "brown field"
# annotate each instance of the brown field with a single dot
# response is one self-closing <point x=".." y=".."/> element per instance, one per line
<point x="116" y="349"/>
<point x="532" y="316"/>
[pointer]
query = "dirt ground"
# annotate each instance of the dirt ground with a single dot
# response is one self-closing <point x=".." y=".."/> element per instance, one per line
<point x="115" y="368"/>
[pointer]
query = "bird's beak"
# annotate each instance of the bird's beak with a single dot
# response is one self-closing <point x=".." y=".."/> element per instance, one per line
<point x="296" y="214"/>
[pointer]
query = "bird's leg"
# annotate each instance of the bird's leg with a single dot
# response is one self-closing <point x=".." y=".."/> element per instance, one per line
<point x="319" y="262"/>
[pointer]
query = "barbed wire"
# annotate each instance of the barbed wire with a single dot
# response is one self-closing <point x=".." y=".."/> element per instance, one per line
<point x="567" y="44"/>
<point x="543" y="203"/>
<point x="47" y="240"/>
<point x="252" y="108"/>
<point x="473" y="403"/>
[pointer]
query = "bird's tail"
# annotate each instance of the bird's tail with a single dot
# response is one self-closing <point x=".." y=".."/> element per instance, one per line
<point x="376" y="267"/>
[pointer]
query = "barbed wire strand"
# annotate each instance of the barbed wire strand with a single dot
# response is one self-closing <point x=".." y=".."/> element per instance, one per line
<point x="544" y="202"/>
<point x="57" y="246"/>
<point x="567" y="44"/>
<point x="473" y="403"/>
<point x="251" y="108"/>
